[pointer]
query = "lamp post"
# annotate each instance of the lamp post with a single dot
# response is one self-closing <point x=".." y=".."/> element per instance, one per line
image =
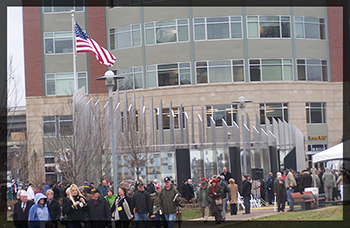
<point x="241" y="101"/>
<point x="109" y="77"/>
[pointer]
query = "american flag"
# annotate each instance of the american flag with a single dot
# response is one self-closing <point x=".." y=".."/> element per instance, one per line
<point x="86" y="44"/>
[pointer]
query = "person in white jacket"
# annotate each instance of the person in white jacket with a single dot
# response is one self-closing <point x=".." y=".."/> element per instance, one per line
<point x="30" y="192"/>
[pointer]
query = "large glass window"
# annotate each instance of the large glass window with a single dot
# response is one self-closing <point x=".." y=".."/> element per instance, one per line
<point x="125" y="37"/>
<point x="217" y="28"/>
<point x="317" y="147"/>
<point x="309" y="28"/>
<point x="166" y="31"/>
<point x="268" y="26"/>
<point x="270" y="69"/>
<point x="315" y="113"/>
<point x="227" y="112"/>
<point x="58" y="42"/>
<point x="63" y="83"/>
<point x="55" y="126"/>
<point x="166" y="117"/>
<point x="169" y="74"/>
<point x="133" y="78"/>
<point x="312" y="70"/>
<point x="217" y="71"/>
<point x="52" y="6"/>
<point x="273" y="110"/>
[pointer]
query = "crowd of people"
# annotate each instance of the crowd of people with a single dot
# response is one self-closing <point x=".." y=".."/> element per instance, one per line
<point x="90" y="206"/>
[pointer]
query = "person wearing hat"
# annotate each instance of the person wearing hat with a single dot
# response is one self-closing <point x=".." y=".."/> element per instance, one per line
<point x="142" y="205"/>
<point x="99" y="213"/>
<point x="227" y="195"/>
<point x="169" y="200"/>
<point x="203" y="199"/>
<point x="157" y="214"/>
<point x="21" y="210"/>
<point x="39" y="212"/>
<point x="215" y="194"/>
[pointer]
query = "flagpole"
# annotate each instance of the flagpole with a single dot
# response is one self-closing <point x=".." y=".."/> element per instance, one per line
<point x="74" y="53"/>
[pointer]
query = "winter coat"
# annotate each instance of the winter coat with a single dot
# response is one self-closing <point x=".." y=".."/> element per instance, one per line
<point x="150" y="188"/>
<point x="203" y="194"/>
<point x="305" y="181"/>
<point x="213" y="197"/>
<point x="111" y="199"/>
<point x="234" y="193"/>
<point x="328" y="180"/>
<point x="38" y="212"/>
<point x="142" y="202"/>
<point x="103" y="193"/>
<point x="339" y="181"/>
<point x="74" y="213"/>
<point x="54" y="209"/>
<point x="166" y="197"/>
<point x="226" y="190"/>
<point x="190" y="191"/>
<point x="227" y="175"/>
<point x="318" y="181"/>
<point x="99" y="211"/>
<point x="126" y="207"/>
<point x="20" y="217"/>
<point x="280" y="190"/>
<point x="56" y="193"/>
<point x="155" y="202"/>
<point x="290" y="180"/>
<point x="184" y="192"/>
<point x="246" y="188"/>
<point x="30" y="192"/>
<point x="269" y="183"/>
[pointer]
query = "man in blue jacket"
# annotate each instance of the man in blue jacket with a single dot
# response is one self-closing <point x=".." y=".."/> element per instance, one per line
<point x="39" y="212"/>
<point x="269" y="187"/>
<point x="103" y="188"/>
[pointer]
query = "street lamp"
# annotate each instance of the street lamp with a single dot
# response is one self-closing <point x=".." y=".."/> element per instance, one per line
<point x="109" y="77"/>
<point x="241" y="101"/>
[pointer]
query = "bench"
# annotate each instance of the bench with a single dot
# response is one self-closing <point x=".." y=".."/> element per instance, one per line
<point x="297" y="198"/>
<point x="318" y="198"/>
<point x="309" y="199"/>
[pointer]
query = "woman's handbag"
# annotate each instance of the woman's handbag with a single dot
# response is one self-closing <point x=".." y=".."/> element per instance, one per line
<point x="218" y="202"/>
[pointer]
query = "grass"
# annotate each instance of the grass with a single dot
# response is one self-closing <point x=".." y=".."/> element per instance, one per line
<point x="191" y="214"/>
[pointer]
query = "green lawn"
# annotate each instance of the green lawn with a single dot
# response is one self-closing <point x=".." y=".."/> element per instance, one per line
<point x="190" y="214"/>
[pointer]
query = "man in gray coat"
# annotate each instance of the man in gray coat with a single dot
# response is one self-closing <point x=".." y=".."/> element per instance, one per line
<point x="328" y="183"/>
<point x="203" y="199"/>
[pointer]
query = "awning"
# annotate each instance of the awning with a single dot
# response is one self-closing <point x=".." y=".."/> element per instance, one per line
<point x="336" y="152"/>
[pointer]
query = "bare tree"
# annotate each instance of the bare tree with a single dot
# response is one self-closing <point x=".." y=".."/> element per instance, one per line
<point x="134" y="139"/>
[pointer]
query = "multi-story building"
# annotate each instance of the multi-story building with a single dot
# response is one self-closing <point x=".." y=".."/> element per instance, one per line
<point x="287" y="60"/>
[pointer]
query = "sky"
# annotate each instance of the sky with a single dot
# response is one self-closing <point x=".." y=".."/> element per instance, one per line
<point x="15" y="82"/>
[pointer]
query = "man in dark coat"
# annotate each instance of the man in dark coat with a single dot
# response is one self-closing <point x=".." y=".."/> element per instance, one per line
<point x="184" y="191"/>
<point x="190" y="190"/>
<point x="320" y="174"/>
<point x="99" y="214"/>
<point x="21" y="210"/>
<point x="151" y="188"/>
<point x="226" y="174"/>
<point x="142" y="205"/>
<point x="280" y="193"/>
<point x="305" y="180"/>
<point x="246" y="191"/>
<point x="269" y="187"/>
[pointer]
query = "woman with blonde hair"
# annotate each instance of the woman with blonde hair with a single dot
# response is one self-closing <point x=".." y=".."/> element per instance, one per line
<point x="74" y="207"/>
<point x="234" y="196"/>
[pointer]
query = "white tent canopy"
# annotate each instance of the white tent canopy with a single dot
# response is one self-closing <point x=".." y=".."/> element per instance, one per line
<point x="333" y="153"/>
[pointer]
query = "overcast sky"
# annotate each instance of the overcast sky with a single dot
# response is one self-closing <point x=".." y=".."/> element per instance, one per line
<point x="16" y="85"/>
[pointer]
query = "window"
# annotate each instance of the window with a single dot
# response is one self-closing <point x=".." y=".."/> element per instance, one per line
<point x="169" y="74"/>
<point x="273" y="110"/>
<point x="270" y="69"/>
<point x="58" y="42"/>
<point x="317" y="147"/>
<point x="166" y="31"/>
<point x="312" y="70"/>
<point x="136" y="120"/>
<point x="217" y="28"/>
<point x="55" y="126"/>
<point x="52" y="6"/>
<point x="63" y="83"/>
<point x="166" y="118"/>
<point x="309" y="28"/>
<point x="217" y="71"/>
<point x="125" y="37"/>
<point x="268" y="26"/>
<point x="219" y="112"/>
<point x="133" y="78"/>
<point x="315" y="113"/>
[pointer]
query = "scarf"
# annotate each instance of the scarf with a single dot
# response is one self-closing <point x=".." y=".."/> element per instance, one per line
<point x="206" y="195"/>
<point x="126" y="208"/>
<point x="214" y="187"/>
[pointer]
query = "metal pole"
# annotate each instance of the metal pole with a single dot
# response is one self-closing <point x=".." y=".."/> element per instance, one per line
<point x="243" y="141"/>
<point x="114" y="160"/>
